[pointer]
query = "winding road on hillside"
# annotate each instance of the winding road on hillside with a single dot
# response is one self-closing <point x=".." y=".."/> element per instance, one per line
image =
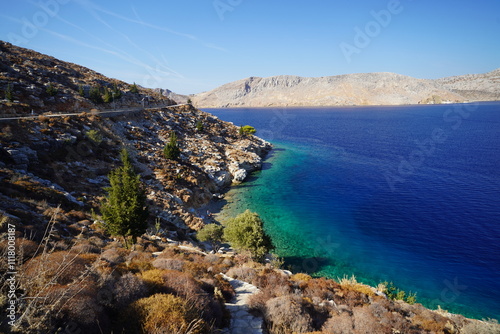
<point x="103" y="113"/>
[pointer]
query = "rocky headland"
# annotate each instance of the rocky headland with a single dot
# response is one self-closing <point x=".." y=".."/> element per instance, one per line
<point x="350" y="90"/>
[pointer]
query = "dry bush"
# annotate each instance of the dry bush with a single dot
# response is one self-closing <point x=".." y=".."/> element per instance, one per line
<point x="242" y="273"/>
<point x="153" y="279"/>
<point x="287" y="314"/>
<point x="138" y="261"/>
<point x="320" y="287"/>
<point x="163" y="313"/>
<point x="301" y="278"/>
<point x="339" y="324"/>
<point x="172" y="264"/>
<point x="125" y="290"/>
<point x="430" y="321"/>
<point x="481" y="327"/>
<point x="84" y="246"/>
<point x="366" y="323"/>
<point x="225" y="288"/>
<point x="196" y="269"/>
<point x="350" y="283"/>
<point x="26" y="248"/>
<point x="114" y="255"/>
<point x="58" y="267"/>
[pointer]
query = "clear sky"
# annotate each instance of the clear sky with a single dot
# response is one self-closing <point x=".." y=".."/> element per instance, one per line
<point x="190" y="46"/>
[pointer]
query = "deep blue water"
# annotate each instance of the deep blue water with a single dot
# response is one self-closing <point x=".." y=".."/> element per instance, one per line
<point x="409" y="194"/>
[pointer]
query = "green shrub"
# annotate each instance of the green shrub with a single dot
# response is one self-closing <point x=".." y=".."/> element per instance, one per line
<point x="94" y="136"/>
<point x="171" y="150"/>
<point x="51" y="90"/>
<point x="247" y="130"/>
<point x="134" y="89"/>
<point x="95" y="94"/>
<point x="213" y="234"/>
<point x="394" y="293"/>
<point x="9" y="93"/>
<point x="199" y="126"/>
<point x="246" y="232"/>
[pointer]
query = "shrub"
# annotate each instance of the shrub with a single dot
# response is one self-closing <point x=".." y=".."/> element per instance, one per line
<point x="165" y="313"/>
<point x="172" y="264"/>
<point x="9" y="93"/>
<point x="394" y="293"/>
<point x="51" y="90"/>
<point x="246" y="232"/>
<point x="126" y="289"/>
<point x="242" y="273"/>
<point x="481" y="327"/>
<point x="247" y="130"/>
<point x="287" y="314"/>
<point x="133" y="89"/>
<point x="199" y="126"/>
<point x="171" y="150"/>
<point x="94" y="136"/>
<point x="213" y="234"/>
<point x="95" y="94"/>
<point x="114" y="255"/>
<point x="339" y="324"/>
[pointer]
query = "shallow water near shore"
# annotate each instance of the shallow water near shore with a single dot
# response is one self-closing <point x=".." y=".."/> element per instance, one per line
<point x="405" y="194"/>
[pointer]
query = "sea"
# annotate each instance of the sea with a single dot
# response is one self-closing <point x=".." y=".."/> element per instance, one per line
<point x="402" y="194"/>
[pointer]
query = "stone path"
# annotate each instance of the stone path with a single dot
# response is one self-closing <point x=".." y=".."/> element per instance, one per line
<point x="242" y="322"/>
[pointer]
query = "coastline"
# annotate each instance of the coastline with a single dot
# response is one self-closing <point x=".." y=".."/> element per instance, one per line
<point x="240" y="197"/>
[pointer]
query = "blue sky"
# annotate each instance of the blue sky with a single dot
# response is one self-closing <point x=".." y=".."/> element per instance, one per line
<point x="190" y="46"/>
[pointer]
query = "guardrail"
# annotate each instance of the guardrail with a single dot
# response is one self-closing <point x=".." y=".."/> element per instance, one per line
<point x="90" y="111"/>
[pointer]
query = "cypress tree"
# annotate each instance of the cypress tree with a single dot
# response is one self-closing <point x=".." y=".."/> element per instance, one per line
<point x="124" y="211"/>
<point x="171" y="150"/>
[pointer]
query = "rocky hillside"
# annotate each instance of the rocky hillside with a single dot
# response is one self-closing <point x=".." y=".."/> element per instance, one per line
<point x="352" y="89"/>
<point x="28" y="74"/>
<point x="478" y="87"/>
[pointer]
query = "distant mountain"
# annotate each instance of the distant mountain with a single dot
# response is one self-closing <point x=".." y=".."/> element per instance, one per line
<point x="178" y="98"/>
<point x="350" y="89"/>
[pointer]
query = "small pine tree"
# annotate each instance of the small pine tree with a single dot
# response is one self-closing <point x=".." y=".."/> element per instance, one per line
<point x="51" y="90"/>
<point x="116" y="91"/>
<point x="199" y="126"/>
<point x="134" y="89"/>
<point x="108" y="96"/>
<point x="171" y="150"/>
<point x="189" y="101"/>
<point x="124" y="210"/>
<point x="81" y="91"/>
<point x="95" y="94"/>
<point x="9" y="93"/>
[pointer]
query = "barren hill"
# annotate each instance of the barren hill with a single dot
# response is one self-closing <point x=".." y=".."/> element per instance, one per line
<point x="28" y="74"/>
<point x="351" y="89"/>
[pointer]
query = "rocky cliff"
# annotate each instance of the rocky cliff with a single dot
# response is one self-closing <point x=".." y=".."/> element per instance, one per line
<point x="352" y="89"/>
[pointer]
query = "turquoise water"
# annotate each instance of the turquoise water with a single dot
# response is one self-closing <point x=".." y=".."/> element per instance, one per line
<point x="329" y="200"/>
